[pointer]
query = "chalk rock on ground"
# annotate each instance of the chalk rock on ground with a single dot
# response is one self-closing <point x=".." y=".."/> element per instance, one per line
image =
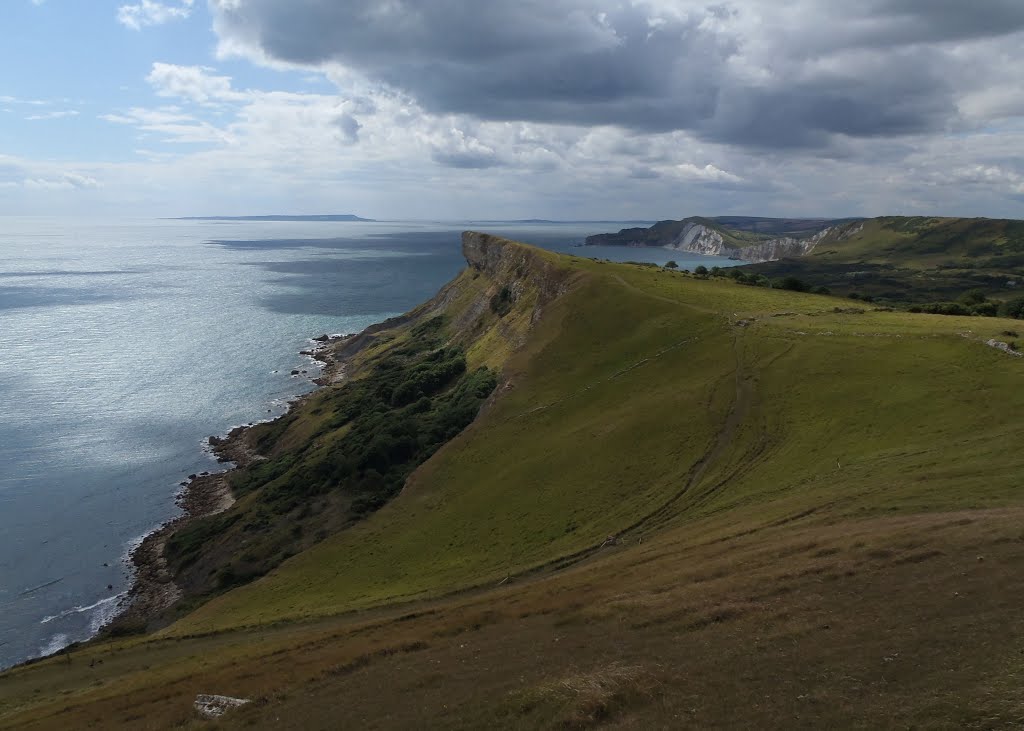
<point x="1005" y="347"/>
<point x="215" y="706"/>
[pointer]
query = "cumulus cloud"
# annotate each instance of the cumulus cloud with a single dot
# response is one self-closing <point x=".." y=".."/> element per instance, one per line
<point x="709" y="173"/>
<point x="457" y="149"/>
<point x="65" y="181"/>
<point x="28" y="175"/>
<point x="989" y="176"/>
<point x="749" y="73"/>
<point x="151" y="12"/>
<point x="58" y="114"/>
<point x="171" y="124"/>
<point x="348" y="127"/>
<point x="17" y="100"/>
<point x="195" y="83"/>
<point x="583" y="108"/>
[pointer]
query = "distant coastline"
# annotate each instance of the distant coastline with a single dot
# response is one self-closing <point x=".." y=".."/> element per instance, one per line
<point x="322" y="218"/>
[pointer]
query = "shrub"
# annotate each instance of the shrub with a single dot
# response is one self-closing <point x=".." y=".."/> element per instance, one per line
<point x="790" y="283"/>
<point x="671" y="264"/>
<point x="945" y="308"/>
<point x="501" y="302"/>
<point x="1013" y="308"/>
<point x="972" y="297"/>
<point x="821" y="290"/>
<point x="701" y="271"/>
<point x="415" y="398"/>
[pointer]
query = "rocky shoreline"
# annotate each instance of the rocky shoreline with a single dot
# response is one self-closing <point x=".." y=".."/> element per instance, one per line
<point x="154" y="591"/>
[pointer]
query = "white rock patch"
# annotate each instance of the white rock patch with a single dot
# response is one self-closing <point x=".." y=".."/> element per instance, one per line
<point x="215" y="706"/>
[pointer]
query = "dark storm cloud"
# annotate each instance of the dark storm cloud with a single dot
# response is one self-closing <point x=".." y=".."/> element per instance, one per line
<point x="605" y="62"/>
<point x="905" y="94"/>
<point x="528" y="60"/>
<point x="944" y="20"/>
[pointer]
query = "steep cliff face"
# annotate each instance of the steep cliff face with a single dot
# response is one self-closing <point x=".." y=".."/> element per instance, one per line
<point x="522" y="269"/>
<point x="490" y="307"/>
<point x="507" y="288"/>
<point x="702" y="236"/>
<point x="784" y="247"/>
<point x="700" y="239"/>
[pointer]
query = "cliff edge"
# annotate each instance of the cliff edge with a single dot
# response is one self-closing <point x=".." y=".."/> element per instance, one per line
<point x="707" y="237"/>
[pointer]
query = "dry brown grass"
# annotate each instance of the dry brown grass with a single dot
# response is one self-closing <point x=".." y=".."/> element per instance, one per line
<point x="583" y="699"/>
<point x="888" y="622"/>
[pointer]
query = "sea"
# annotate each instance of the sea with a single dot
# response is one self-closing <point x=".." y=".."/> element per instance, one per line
<point x="125" y="344"/>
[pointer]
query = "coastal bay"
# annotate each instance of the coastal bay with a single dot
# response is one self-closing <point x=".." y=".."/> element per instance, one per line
<point x="166" y="338"/>
<point x="171" y="332"/>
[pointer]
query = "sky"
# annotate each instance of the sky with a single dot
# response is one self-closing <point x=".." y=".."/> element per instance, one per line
<point x="562" y="109"/>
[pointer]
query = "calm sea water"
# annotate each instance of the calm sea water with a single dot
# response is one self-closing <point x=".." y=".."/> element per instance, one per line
<point x="123" y="345"/>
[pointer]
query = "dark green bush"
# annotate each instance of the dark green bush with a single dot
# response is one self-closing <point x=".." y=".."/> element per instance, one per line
<point x="944" y="308"/>
<point x="372" y="432"/>
<point x="501" y="302"/>
<point x="792" y="284"/>
<point x="1013" y="308"/>
<point x="972" y="297"/>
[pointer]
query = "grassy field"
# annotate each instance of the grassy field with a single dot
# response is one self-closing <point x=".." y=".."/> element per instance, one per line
<point x="903" y="260"/>
<point x="689" y="503"/>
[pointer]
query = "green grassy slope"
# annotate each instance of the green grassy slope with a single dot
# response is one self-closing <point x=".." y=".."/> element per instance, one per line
<point x="814" y="519"/>
<point x="900" y="259"/>
<point x="795" y="227"/>
<point x="539" y="500"/>
<point x="513" y="492"/>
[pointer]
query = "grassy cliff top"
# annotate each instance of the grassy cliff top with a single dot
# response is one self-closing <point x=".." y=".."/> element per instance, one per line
<point x="905" y="260"/>
<point x="687" y="503"/>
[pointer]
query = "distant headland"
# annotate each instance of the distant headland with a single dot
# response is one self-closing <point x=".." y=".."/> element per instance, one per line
<point x="328" y="217"/>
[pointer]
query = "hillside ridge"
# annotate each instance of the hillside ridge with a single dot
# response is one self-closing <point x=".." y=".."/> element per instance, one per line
<point x="709" y="237"/>
<point x="392" y="395"/>
<point x="605" y="495"/>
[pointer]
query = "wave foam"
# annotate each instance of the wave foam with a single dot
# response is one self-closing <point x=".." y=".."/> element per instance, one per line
<point x="56" y="643"/>
<point x="80" y="610"/>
